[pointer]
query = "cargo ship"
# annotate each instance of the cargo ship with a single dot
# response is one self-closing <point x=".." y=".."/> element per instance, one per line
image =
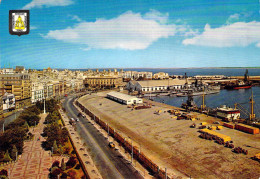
<point x="238" y="86"/>
<point x="228" y="114"/>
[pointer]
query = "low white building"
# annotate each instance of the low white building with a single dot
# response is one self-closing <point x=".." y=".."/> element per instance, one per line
<point x="124" y="98"/>
<point x="160" y="85"/>
<point x="8" y="102"/>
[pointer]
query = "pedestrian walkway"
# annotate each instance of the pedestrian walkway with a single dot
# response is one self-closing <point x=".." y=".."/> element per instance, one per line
<point x="81" y="148"/>
<point x="35" y="162"/>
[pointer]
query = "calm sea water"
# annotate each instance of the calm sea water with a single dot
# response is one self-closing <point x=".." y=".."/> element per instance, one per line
<point x="197" y="71"/>
<point x="225" y="97"/>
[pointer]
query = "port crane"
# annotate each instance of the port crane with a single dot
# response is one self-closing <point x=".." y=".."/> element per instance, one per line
<point x="251" y="113"/>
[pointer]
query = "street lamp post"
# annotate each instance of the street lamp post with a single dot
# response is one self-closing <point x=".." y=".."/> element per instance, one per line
<point x="44" y="110"/>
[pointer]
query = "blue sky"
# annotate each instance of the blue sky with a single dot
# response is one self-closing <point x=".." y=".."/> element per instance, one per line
<point x="133" y="33"/>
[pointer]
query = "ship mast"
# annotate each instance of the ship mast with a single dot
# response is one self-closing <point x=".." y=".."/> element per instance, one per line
<point x="203" y="100"/>
<point x="252" y="115"/>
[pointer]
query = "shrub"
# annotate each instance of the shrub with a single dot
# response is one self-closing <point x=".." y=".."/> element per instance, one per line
<point x="55" y="147"/>
<point x="72" y="173"/>
<point x="13" y="152"/>
<point x="64" y="176"/>
<point x="71" y="162"/>
<point x="4" y="172"/>
<point x="77" y="166"/>
<point x="7" y="157"/>
<point x="56" y="163"/>
<point x="55" y="171"/>
<point x="63" y="165"/>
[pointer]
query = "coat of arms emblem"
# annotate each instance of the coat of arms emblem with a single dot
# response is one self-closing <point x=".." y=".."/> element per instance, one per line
<point x="19" y="22"/>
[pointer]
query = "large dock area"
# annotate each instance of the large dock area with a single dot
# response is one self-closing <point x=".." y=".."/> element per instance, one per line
<point x="172" y="144"/>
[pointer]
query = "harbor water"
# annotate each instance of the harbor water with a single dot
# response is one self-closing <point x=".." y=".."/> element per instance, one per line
<point x="225" y="97"/>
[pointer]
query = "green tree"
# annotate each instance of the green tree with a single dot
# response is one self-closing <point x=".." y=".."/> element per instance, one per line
<point x="63" y="165"/>
<point x="26" y="125"/>
<point x="13" y="152"/>
<point x="7" y="157"/>
<point x="55" y="147"/>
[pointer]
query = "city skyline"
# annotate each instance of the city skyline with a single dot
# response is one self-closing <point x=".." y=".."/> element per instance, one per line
<point x="137" y="34"/>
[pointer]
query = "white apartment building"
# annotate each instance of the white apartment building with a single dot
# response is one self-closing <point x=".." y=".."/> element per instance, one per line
<point x="135" y="75"/>
<point x="37" y="92"/>
<point x="8" y="101"/>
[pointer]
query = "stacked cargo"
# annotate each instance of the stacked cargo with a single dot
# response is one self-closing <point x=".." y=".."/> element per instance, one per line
<point x="248" y="129"/>
<point x="229" y="125"/>
<point x="219" y="127"/>
<point x="225" y="138"/>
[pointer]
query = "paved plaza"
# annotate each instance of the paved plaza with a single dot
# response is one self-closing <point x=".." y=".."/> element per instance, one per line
<point x="35" y="162"/>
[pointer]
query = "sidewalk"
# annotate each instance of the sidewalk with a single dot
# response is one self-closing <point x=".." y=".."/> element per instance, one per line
<point x="82" y="150"/>
<point x="35" y="162"/>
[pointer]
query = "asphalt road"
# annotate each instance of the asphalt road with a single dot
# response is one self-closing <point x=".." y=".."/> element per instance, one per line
<point x="8" y="119"/>
<point x="109" y="162"/>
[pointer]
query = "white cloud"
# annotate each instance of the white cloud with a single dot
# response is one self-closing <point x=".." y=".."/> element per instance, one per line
<point x="233" y="18"/>
<point x="236" y="34"/>
<point x="85" y="49"/>
<point x="74" y="17"/>
<point x="130" y="31"/>
<point x="157" y="16"/>
<point x="47" y="3"/>
<point x="33" y="27"/>
<point x="186" y="30"/>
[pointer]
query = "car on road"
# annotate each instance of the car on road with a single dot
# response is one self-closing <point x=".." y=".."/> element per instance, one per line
<point x="111" y="145"/>
<point x="77" y="120"/>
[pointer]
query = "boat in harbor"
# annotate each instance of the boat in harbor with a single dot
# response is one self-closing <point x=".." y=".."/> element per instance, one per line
<point x="198" y="93"/>
<point x="235" y="87"/>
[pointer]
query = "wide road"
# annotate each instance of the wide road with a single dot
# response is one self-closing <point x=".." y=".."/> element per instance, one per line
<point x="8" y="119"/>
<point x="109" y="162"/>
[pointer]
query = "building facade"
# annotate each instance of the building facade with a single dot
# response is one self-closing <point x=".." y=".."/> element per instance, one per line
<point x="8" y="101"/>
<point x="37" y="92"/>
<point x="19" y="85"/>
<point x="104" y="81"/>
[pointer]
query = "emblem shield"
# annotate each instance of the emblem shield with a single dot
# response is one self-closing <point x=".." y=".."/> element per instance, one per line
<point x="19" y="22"/>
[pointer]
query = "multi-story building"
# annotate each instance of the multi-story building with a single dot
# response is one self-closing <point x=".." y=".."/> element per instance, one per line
<point x="37" y="92"/>
<point x="48" y="90"/>
<point x="1" y="103"/>
<point x="102" y="81"/>
<point x="19" y="85"/>
<point x="134" y="75"/>
<point x="161" y="75"/>
<point x="8" y="102"/>
<point x="7" y="71"/>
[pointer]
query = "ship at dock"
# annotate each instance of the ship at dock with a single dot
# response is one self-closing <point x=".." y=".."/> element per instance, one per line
<point x="226" y="113"/>
<point x="241" y="85"/>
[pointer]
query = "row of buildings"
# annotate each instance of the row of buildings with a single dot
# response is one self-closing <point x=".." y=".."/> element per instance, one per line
<point x="108" y="79"/>
<point x="20" y="87"/>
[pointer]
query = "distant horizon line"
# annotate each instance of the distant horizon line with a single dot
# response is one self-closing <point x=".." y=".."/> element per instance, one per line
<point x="162" y="68"/>
<point x="142" y="68"/>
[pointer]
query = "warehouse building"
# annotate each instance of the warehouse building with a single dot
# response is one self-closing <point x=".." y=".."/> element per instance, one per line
<point x="124" y="98"/>
<point x="159" y="85"/>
